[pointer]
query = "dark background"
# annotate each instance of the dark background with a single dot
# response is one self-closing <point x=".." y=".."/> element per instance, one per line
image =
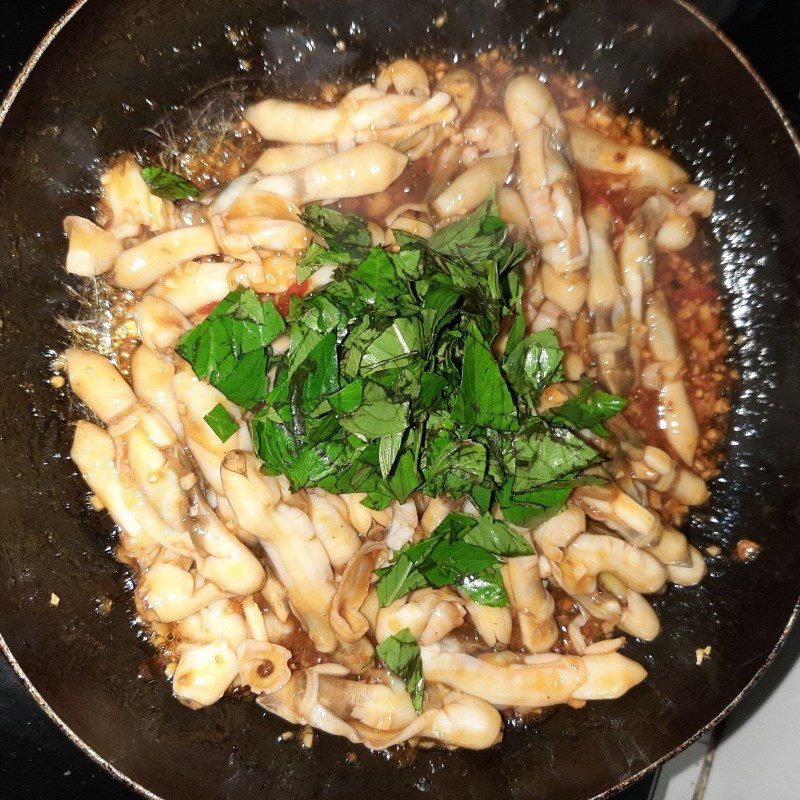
<point x="36" y="760"/>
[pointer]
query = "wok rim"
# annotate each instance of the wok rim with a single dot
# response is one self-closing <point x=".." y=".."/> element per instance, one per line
<point x="685" y="6"/>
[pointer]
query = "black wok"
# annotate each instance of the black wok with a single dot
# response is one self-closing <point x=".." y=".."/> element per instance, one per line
<point x="110" y="73"/>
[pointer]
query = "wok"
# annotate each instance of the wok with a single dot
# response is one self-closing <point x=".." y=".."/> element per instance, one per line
<point x="103" y="80"/>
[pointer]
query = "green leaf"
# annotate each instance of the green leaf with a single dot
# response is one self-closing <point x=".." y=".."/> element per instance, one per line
<point x="375" y="278"/>
<point x="485" y="588"/>
<point x="398" y="345"/>
<point x="390" y="387"/>
<point x="454" y="526"/>
<point x="302" y="341"/>
<point x="168" y="185"/>
<point x="527" y="507"/>
<point x="343" y="233"/>
<point x="401" y="654"/>
<point x="407" y="262"/>
<point x="348" y="398"/>
<point x="430" y="391"/>
<point x="515" y="334"/>
<point x="403" y="576"/>
<point x="533" y="365"/>
<point x="474" y="237"/>
<point x="229" y="347"/>
<point x="543" y="454"/>
<point x="483" y="398"/>
<point x="321" y="313"/>
<point x="496" y="537"/>
<point x="377" y="415"/>
<point x="439" y="301"/>
<point x="221" y="422"/>
<point x="450" y="463"/>
<point x="242" y="380"/>
<point x="387" y="452"/>
<point x="319" y="373"/>
<point x="481" y="497"/>
<point x="317" y="256"/>
<point x="450" y="561"/>
<point x="454" y="555"/>
<point x="589" y="409"/>
<point x="404" y="478"/>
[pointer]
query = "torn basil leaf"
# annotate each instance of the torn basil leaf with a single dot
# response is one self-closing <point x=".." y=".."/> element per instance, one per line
<point x="401" y="654"/>
<point x="485" y="587"/>
<point x="463" y="552"/>
<point x="589" y="409"/>
<point x="228" y="348"/>
<point x="221" y="422"/>
<point x="483" y="397"/>
<point x="533" y="364"/>
<point x="168" y="185"/>
<point x="496" y="537"/>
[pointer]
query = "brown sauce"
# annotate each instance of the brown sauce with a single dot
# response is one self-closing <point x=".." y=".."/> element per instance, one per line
<point x="304" y="654"/>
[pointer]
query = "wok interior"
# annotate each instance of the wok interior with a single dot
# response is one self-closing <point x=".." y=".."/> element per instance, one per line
<point x="108" y="77"/>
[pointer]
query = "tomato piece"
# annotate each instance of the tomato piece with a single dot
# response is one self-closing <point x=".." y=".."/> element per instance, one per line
<point x="281" y="301"/>
<point x="205" y="310"/>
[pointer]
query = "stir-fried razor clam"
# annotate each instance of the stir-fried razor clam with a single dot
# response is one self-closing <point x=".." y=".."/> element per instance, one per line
<point x="640" y="167"/>
<point x="347" y="621"/>
<point x="489" y="156"/>
<point x="397" y="598"/>
<point x="288" y="536"/>
<point x="194" y="285"/>
<point x="143" y="264"/>
<point x="410" y="118"/>
<point x="330" y="516"/>
<point x="494" y="625"/>
<point x="665" y="375"/>
<point x="663" y="222"/>
<point x="366" y="169"/>
<point x="532" y="602"/>
<point x="94" y="455"/>
<point x="654" y="467"/>
<point x="608" y="306"/>
<point x="291" y="157"/>
<point x="160" y="324"/>
<point x="535" y="681"/>
<point x="430" y="615"/>
<point x="548" y="186"/>
<point x="151" y="378"/>
<point x="127" y="205"/>
<point x="92" y="250"/>
<point x="379" y="714"/>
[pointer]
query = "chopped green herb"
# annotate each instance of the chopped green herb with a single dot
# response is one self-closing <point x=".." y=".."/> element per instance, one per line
<point x="463" y="552"/>
<point x="221" y="422"/>
<point x="520" y="508"/>
<point x="543" y="454"/>
<point x="228" y="347"/>
<point x="589" y="409"/>
<point x="533" y="363"/>
<point x="485" y="587"/>
<point x="346" y="237"/>
<point x="401" y="654"/>
<point x="483" y="397"/>
<point x="417" y="386"/>
<point x="496" y="537"/>
<point x="391" y="386"/>
<point x="168" y="185"/>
